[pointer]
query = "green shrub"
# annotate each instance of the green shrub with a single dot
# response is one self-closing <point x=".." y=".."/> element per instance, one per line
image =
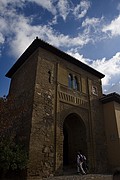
<point x="12" y="156"/>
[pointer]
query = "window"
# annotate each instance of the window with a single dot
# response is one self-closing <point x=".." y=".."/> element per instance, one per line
<point x="94" y="90"/>
<point x="75" y="84"/>
<point x="70" y="81"/>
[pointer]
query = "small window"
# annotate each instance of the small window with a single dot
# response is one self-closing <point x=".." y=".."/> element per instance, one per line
<point x="94" y="90"/>
<point x="75" y="84"/>
<point x="70" y="81"/>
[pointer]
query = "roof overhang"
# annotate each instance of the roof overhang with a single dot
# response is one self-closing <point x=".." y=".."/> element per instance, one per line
<point x="110" y="97"/>
<point x="40" y="43"/>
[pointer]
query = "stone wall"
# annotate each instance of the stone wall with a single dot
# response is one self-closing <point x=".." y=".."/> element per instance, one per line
<point x="43" y="79"/>
<point x="97" y="127"/>
<point x="112" y="133"/>
<point x="41" y="151"/>
<point x="22" y="92"/>
<point x="51" y="95"/>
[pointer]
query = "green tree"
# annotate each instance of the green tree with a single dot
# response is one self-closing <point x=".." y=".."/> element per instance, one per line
<point x="12" y="156"/>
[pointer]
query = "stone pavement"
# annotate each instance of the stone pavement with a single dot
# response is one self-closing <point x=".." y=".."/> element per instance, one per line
<point x="78" y="177"/>
<point x="81" y="177"/>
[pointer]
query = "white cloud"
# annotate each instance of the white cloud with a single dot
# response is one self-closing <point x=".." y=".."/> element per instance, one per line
<point x="2" y="39"/>
<point x="114" y="88"/>
<point x="61" y="40"/>
<point x="91" y="22"/>
<point x="74" y="53"/>
<point x="20" y="26"/>
<point x="53" y="21"/>
<point x="21" y="33"/>
<point x="93" y="28"/>
<point x="118" y="7"/>
<point x="3" y="29"/>
<point x="113" y="29"/>
<point x="7" y="17"/>
<point x="58" y="8"/>
<point x="8" y="4"/>
<point x="47" y="4"/>
<point x="64" y="8"/>
<point x="28" y="33"/>
<point x="81" y="9"/>
<point x="109" y="67"/>
<point x="3" y="24"/>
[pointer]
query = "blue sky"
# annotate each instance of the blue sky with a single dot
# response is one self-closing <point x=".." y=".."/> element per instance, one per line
<point x="86" y="29"/>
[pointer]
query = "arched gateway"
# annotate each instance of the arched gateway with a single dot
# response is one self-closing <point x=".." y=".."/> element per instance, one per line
<point x="74" y="132"/>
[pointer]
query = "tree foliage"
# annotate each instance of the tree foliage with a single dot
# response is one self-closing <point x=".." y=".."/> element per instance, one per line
<point x="12" y="156"/>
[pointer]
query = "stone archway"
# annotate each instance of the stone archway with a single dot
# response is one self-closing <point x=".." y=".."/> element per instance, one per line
<point x="74" y="132"/>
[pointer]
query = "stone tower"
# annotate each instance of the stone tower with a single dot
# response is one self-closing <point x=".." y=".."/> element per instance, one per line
<point x="64" y="114"/>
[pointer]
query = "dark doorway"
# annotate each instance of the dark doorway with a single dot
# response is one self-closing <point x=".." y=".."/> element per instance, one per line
<point x="74" y="132"/>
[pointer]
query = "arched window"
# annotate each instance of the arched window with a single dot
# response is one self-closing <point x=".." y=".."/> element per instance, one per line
<point x="70" y="81"/>
<point x="94" y="90"/>
<point x="75" y="84"/>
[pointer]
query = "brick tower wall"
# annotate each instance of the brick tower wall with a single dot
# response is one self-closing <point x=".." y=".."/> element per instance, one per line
<point x="22" y="91"/>
<point x="42" y="138"/>
<point x="51" y="94"/>
<point x="42" y="83"/>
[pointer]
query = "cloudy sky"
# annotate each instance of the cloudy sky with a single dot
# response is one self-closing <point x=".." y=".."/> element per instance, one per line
<point x="86" y="29"/>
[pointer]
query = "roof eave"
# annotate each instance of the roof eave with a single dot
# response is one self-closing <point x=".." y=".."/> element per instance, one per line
<point x="22" y="59"/>
<point x="110" y="97"/>
<point x="39" y="43"/>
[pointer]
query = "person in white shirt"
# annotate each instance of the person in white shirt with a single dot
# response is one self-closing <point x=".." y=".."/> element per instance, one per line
<point x="80" y="163"/>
